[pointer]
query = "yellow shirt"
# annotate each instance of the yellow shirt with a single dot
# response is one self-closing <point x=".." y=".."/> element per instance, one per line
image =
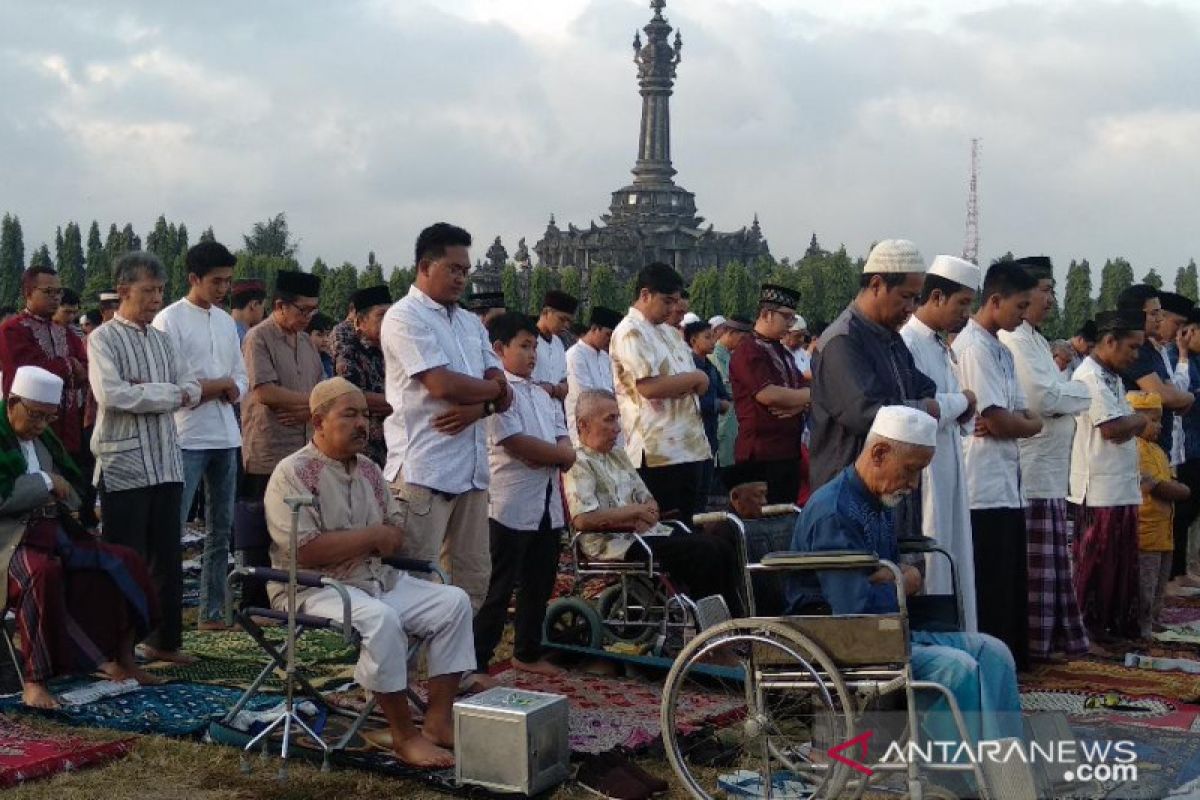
<point x="1155" y="517"/>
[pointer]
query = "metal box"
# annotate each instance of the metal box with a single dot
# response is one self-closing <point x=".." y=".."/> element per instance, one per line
<point x="511" y="740"/>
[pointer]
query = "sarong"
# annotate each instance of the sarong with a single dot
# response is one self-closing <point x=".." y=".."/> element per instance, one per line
<point x="1106" y="570"/>
<point x="1054" y="622"/>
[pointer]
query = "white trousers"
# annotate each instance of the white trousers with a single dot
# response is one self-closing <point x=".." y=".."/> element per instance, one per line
<point x="439" y="615"/>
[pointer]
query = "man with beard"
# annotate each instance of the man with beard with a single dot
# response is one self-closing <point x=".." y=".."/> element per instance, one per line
<point x="946" y="301"/>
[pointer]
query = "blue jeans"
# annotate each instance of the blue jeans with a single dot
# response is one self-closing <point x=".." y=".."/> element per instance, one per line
<point x="218" y="468"/>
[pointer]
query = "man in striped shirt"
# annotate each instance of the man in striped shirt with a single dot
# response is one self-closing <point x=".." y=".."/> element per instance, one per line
<point x="139" y="384"/>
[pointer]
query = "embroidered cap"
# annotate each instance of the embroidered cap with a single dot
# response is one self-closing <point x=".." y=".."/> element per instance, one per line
<point x="38" y="385"/>
<point x="959" y="270"/>
<point x="329" y="390"/>
<point x="894" y="255"/>
<point x="778" y="295"/>
<point x="904" y="424"/>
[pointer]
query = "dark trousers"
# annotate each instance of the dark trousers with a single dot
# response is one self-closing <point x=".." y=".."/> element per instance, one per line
<point x="1002" y="578"/>
<point x="528" y="561"/>
<point x="1185" y="514"/>
<point x="147" y="521"/>
<point x="703" y="563"/>
<point x="782" y="478"/>
<point x="252" y="489"/>
<point x="87" y="467"/>
<point x="676" y="489"/>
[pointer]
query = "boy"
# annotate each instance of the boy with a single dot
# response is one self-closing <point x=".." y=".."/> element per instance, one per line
<point x="716" y="401"/>
<point x="527" y="449"/>
<point x="1155" y="518"/>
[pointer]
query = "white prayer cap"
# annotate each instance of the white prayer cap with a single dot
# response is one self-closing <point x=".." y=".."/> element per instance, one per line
<point x="959" y="270"/>
<point x="800" y="324"/>
<point x="716" y="321"/>
<point x="38" y="385"/>
<point x="904" y="424"/>
<point x="109" y="296"/>
<point x="690" y="317"/>
<point x="894" y="255"/>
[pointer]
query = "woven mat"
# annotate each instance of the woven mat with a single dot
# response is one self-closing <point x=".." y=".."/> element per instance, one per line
<point x="27" y="754"/>
<point x="1166" y="760"/>
<point x="1141" y="710"/>
<point x="1099" y="676"/>
<point x="232" y="658"/>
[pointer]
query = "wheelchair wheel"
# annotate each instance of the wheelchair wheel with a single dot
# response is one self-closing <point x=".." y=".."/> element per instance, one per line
<point x="571" y="621"/>
<point x="630" y="614"/>
<point x="752" y="698"/>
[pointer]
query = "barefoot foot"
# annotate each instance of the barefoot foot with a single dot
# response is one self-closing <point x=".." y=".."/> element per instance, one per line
<point x="116" y="671"/>
<point x="173" y="656"/>
<point x="440" y="732"/>
<point x="417" y="751"/>
<point x="36" y="695"/>
<point x="539" y="667"/>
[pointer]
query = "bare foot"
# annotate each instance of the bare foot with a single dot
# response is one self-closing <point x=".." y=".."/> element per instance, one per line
<point x="539" y="667"/>
<point x="417" y="751"/>
<point x="477" y="682"/>
<point x="36" y="695"/>
<point x="214" y="625"/>
<point x="172" y="656"/>
<point x="440" y="732"/>
<point x="115" y="671"/>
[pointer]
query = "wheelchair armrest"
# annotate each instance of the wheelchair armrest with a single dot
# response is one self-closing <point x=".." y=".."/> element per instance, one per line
<point x="780" y="510"/>
<point x="306" y="578"/>
<point x="709" y="517"/>
<point x="417" y="565"/>
<point x="584" y="560"/>
<point x="827" y="559"/>
<point x="918" y="544"/>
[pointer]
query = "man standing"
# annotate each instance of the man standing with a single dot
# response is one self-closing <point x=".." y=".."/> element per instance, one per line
<point x="246" y="302"/>
<point x="67" y="314"/>
<point x="1150" y="372"/>
<point x="862" y="364"/>
<point x="109" y="300"/>
<point x="770" y="399"/>
<point x="946" y="301"/>
<point x="1082" y="343"/>
<point x="1185" y="561"/>
<point x="588" y="364"/>
<point x="993" y="459"/>
<point x="730" y="334"/>
<point x="1175" y="311"/>
<point x="139" y="383"/>
<point x="1054" y="623"/>
<point x="796" y="341"/>
<point x="282" y="367"/>
<point x="550" y="372"/>
<point x="442" y="378"/>
<point x="658" y="396"/>
<point x="486" y="305"/>
<point x="359" y="359"/>
<point x="206" y="342"/>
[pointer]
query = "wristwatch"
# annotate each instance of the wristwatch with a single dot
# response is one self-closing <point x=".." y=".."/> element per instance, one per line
<point x="489" y="407"/>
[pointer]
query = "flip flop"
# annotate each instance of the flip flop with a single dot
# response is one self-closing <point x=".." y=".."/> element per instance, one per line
<point x="784" y="785"/>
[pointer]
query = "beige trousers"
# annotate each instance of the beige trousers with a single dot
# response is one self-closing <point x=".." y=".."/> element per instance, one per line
<point x="453" y="533"/>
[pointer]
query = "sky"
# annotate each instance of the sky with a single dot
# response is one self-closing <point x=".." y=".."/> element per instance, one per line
<point x="365" y="120"/>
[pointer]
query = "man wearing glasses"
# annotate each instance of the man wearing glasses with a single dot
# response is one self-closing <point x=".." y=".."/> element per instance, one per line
<point x="282" y="367"/>
<point x="32" y="338"/>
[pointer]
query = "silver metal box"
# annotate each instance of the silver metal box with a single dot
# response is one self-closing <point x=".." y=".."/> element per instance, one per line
<point x="511" y="740"/>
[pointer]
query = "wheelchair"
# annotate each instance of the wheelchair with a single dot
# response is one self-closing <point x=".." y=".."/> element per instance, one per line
<point x="787" y="699"/>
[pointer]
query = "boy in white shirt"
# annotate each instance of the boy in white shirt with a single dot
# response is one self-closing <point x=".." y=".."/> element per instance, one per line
<point x="528" y="448"/>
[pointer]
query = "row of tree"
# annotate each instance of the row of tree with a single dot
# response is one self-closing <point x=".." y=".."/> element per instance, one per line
<point x="826" y="280"/>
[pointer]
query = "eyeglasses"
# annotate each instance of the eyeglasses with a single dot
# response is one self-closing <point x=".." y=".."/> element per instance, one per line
<point x="45" y="417"/>
<point x="308" y="312"/>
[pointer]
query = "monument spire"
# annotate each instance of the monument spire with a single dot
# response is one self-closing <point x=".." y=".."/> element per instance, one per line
<point x="656" y="62"/>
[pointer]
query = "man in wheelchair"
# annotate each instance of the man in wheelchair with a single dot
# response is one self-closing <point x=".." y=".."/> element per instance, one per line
<point x="854" y="512"/>
<point x="355" y="522"/>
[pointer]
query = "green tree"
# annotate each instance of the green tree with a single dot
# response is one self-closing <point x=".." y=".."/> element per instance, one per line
<point x="12" y="259"/>
<point x="373" y="274"/>
<point x="706" y="293"/>
<point x="1077" y="298"/>
<point x="605" y="289"/>
<point x="1153" y="279"/>
<point x="1053" y="324"/>
<point x="207" y="235"/>
<point x="739" y="294"/>
<point x="510" y="284"/>
<point x="320" y="269"/>
<point x="336" y="291"/>
<point x="1185" y="281"/>
<point x="1115" y="277"/>
<point x="69" y="260"/>
<point x="570" y="280"/>
<point x="264" y="268"/>
<point x="839" y="284"/>
<point x="541" y="280"/>
<point x="271" y="238"/>
<point x="98" y="275"/>
<point x="399" y="282"/>
<point x="41" y="257"/>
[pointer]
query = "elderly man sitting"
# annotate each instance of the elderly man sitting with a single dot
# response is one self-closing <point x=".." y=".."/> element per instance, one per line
<point x="80" y="604"/>
<point x="854" y="511"/>
<point x="354" y="524"/>
<point x="605" y="493"/>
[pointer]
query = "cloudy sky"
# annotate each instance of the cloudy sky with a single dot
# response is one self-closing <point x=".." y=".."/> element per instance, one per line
<point x="366" y="119"/>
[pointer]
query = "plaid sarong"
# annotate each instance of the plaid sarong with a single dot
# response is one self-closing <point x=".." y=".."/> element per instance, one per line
<point x="1106" y="570"/>
<point x="1054" y="623"/>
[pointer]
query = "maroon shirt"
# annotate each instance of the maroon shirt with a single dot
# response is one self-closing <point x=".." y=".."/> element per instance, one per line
<point x="756" y="364"/>
<point x="26" y="340"/>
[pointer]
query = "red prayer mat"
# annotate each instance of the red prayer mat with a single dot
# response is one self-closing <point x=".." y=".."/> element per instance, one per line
<point x="27" y="754"/>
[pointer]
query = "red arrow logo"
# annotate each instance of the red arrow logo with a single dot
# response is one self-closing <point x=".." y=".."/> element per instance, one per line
<point x="861" y="741"/>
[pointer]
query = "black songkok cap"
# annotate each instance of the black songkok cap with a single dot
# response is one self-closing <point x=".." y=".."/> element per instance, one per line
<point x="371" y="296"/>
<point x="560" y="301"/>
<point x="1123" y="320"/>
<point x="1175" y="303"/>
<point x="1088" y="331"/>
<point x="605" y="317"/>
<point x="1037" y="267"/>
<point x="248" y="286"/>
<point x="484" y="301"/>
<point x="302" y="284"/>
<point x="779" y="295"/>
<point x="737" y="322"/>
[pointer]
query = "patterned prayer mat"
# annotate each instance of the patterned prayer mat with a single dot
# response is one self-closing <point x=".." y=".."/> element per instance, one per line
<point x="240" y="674"/>
<point x="1141" y="710"/>
<point x="27" y="754"/>
<point x="232" y="658"/>
<point x="172" y="709"/>
<point x="1099" y="676"/>
<point x="1178" y="615"/>
<point x="1166" y="760"/>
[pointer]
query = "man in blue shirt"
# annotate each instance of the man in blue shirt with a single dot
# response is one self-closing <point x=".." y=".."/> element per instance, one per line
<point x="854" y="511"/>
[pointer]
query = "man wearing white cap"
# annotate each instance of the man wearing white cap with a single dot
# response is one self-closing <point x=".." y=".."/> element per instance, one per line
<point x="946" y="299"/>
<point x="1054" y="621"/>
<point x="796" y="341"/>
<point x="862" y="364"/>
<point x="80" y="604"/>
<point x="856" y="511"/>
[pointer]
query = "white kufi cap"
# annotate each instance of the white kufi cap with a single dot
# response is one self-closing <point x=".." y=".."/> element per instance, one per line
<point x="959" y="270"/>
<point x="690" y="317"/>
<point x="904" y="424"/>
<point x="38" y="385"/>
<point x="894" y="255"/>
<point x="716" y="321"/>
<point x="800" y="324"/>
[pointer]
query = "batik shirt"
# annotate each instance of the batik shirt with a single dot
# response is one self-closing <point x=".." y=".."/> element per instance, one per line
<point x="361" y="363"/>
<point x="601" y="482"/>
<point x="26" y="340"/>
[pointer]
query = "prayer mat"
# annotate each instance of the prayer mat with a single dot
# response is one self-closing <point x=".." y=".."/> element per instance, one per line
<point x="241" y="673"/>
<point x="1178" y="615"/>
<point x="27" y="754"/>
<point x="1166" y="759"/>
<point x="172" y="709"/>
<point x="1096" y="707"/>
<point x="1099" y="676"/>
<point x="314" y="647"/>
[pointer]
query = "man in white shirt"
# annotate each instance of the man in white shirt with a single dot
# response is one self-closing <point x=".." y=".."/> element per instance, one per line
<point x="658" y="395"/>
<point x="1175" y="312"/>
<point x="588" y="364"/>
<point x="205" y="338"/>
<point x="945" y="307"/>
<point x="993" y="459"/>
<point x="442" y="379"/>
<point x="796" y="341"/>
<point x="1054" y="623"/>
<point x="550" y="372"/>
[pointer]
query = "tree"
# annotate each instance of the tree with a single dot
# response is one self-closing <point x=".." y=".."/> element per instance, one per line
<point x="510" y="284"/>
<point x="541" y="280"/>
<point x="605" y="289"/>
<point x="132" y="240"/>
<point x="271" y="238"/>
<point x="839" y="284"/>
<point x="98" y="275"/>
<point x="337" y="289"/>
<point x="41" y="257"/>
<point x="1115" y="277"/>
<point x="1077" y="299"/>
<point x="12" y="260"/>
<point x="1185" y="281"/>
<point x="1052" y="326"/>
<point x="69" y="260"/>
<point x="706" y="293"/>
<point x="739" y="295"/>
<point x="373" y="274"/>
<point x="207" y="235"/>
<point x="570" y="280"/>
<point x="399" y="282"/>
<point x="1153" y="279"/>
